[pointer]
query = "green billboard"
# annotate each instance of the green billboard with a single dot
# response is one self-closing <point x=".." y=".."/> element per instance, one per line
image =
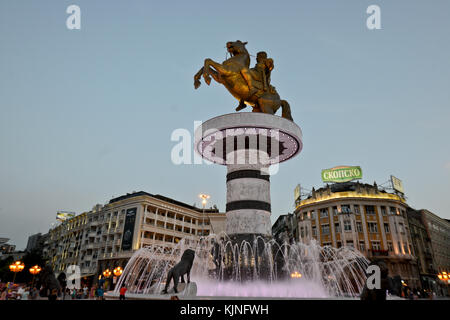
<point x="341" y="174"/>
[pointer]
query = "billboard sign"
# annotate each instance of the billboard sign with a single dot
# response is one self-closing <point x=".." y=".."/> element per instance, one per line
<point x="64" y="215"/>
<point x="341" y="174"/>
<point x="397" y="184"/>
<point x="297" y="194"/>
<point x="128" y="229"/>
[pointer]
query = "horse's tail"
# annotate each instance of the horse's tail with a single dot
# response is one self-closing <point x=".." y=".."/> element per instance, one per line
<point x="286" y="110"/>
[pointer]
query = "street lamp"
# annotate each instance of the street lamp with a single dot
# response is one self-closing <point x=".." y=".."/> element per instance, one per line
<point x="34" y="271"/>
<point x="117" y="271"/>
<point x="107" y="273"/>
<point x="16" y="267"/>
<point x="296" y="275"/>
<point x="204" y="198"/>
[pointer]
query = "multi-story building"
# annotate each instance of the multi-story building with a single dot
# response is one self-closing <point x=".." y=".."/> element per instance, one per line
<point x="438" y="230"/>
<point x="36" y="242"/>
<point x="5" y="247"/>
<point x="423" y="250"/>
<point x="364" y="217"/>
<point x="285" y="228"/>
<point x="107" y="236"/>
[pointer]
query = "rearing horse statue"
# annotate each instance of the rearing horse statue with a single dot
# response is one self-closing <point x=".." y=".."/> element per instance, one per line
<point x="232" y="74"/>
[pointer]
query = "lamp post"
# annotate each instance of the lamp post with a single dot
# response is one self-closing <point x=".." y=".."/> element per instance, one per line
<point x="34" y="271"/>
<point x="117" y="273"/>
<point x="107" y="274"/>
<point x="204" y="198"/>
<point x="16" y="267"/>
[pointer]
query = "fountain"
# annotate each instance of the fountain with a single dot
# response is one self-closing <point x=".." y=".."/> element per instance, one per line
<point x="297" y="270"/>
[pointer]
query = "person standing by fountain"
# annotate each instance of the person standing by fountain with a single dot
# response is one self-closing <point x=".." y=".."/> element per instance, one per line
<point x="123" y="290"/>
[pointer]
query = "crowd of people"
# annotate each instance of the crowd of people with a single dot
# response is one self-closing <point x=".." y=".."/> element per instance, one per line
<point x="10" y="291"/>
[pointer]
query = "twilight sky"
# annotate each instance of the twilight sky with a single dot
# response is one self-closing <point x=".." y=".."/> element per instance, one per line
<point x="87" y="115"/>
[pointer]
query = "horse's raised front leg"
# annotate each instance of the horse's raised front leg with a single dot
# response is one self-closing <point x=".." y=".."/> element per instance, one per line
<point x="197" y="76"/>
<point x="217" y="71"/>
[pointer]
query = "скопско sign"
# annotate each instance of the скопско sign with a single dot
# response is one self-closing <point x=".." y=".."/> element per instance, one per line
<point x="341" y="174"/>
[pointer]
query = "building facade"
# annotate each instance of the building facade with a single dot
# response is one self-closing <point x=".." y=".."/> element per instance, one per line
<point x="423" y="250"/>
<point x="438" y="230"/>
<point x="107" y="236"/>
<point x="364" y="217"/>
<point x="36" y="242"/>
<point x="284" y="230"/>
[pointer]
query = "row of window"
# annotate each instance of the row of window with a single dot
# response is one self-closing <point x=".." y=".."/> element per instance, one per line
<point x="325" y="228"/>
<point x="347" y="209"/>
<point x="375" y="246"/>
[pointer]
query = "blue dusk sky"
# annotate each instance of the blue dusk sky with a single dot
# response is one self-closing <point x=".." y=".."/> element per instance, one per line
<point x="87" y="115"/>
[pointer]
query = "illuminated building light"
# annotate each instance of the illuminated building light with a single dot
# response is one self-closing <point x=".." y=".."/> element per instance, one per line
<point x="341" y="195"/>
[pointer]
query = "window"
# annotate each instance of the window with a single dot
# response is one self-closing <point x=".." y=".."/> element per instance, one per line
<point x="339" y="244"/>
<point x="359" y="226"/>
<point x="386" y="228"/>
<point x="326" y="229"/>
<point x="313" y="214"/>
<point x="324" y="213"/>
<point x="302" y="232"/>
<point x="356" y="208"/>
<point x="370" y="209"/>
<point x="390" y="246"/>
<point x="335" y="210"/>
<point x="345" y="208"/>
<point x="373" y="227"/>
<point x="314" y="231"/>
<point x="347" y="225"/>
<point x="362" y="246"/>
<point x="337" y="227"/>
<point x="399" y="247"/>
<point x="402" y="229"/>
<point x="393" y="210"/>
<point x="376" y="245"/>
<point x="383" y="210"/>
<point x="350" y="243"/>
<point x="405" y="248"/>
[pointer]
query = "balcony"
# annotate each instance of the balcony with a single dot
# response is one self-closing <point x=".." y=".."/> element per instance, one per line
<point x="378" y="253"/>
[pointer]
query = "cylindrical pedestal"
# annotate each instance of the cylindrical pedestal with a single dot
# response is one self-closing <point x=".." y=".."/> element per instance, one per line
<point x="248" y="195"/>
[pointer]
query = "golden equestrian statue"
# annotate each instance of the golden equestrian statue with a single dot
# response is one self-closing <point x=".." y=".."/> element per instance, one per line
<point x="248" y="85"/>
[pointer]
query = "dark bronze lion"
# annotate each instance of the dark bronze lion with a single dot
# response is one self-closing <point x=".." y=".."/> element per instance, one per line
<point x="180" y="269"/>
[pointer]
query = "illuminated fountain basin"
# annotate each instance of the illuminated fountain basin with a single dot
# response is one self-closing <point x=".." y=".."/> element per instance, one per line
<point x="277" y="271"/>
